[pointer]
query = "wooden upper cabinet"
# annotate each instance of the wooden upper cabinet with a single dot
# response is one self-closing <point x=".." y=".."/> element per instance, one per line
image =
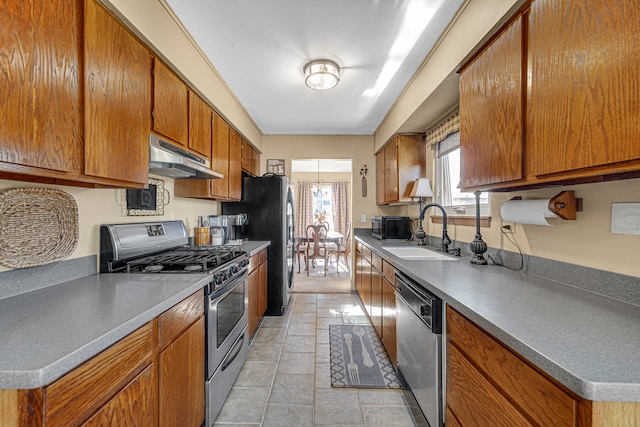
<point x="220" y="157"/>
<point x="553" y="98"/>
<point x="391" y="191"/>
<point x="200" y="125"/>
<point x="380" y="189"/>
<point x="247" y="157"/>
<point x="235" y="165"/>
<point x="583" y="63"/>
<point x="170" y="104"/>
<point x="117" y="99"/>
<point x="401" y="161"/>
<point x="40" y="101"/>
<point x="491" y="95"/>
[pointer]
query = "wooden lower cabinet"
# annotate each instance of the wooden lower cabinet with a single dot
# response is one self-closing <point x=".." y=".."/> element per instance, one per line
<point x="374" y="284"/>
<point x="148" y="378"/>
<point x="375" y="300"/>
<point x="181" y="390"/>
<point x="489" y="384"/>
<point x="258" y="288"/>
<point x="389" y="312"/>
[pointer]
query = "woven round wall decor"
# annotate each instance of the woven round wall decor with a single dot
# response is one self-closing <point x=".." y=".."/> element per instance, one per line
<point x="37" y="226"/>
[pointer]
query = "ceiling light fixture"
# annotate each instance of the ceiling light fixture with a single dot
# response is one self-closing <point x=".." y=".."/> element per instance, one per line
<point x="321" y="74"/>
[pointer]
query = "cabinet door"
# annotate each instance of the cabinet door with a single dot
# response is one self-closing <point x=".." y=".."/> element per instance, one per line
<point x="391" y="171"/>
<point x="40" y="96"/>
<point x="263" y="288"/>
<point x="583" y="108"/>
<point x="491" y="98"/>
<point x="220" y="157"/>
<point x="253" y="294"/>
<point x="135" y="405"/>
<point x="235" y="166"/>
<point x="247" y="157"/>
<point x="200" y="124"/>
<point x="170" y="104"/>
<point x="181" y="391"/>
<point x="380" y="185"/>
<point x="375" y="311"/>
<point x="389" y="320"/>
<point x="256" y="163"/>
<point x="411" y="162"/>
<point x="117" y="99"/>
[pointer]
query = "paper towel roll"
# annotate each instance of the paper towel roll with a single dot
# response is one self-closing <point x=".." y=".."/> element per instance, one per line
<point x="527" y="211"/>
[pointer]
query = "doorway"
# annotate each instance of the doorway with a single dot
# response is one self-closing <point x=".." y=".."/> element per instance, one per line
<point x="323" y="195"/>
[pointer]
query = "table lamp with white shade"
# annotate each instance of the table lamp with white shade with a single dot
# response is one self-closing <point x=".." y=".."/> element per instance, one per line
<point x="421" y="188"/>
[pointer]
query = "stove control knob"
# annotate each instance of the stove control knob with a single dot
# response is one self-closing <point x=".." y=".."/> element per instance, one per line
<point x="234" y="269"/>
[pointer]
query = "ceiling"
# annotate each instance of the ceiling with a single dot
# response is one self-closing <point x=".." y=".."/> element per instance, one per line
<point x="260" y="47"/>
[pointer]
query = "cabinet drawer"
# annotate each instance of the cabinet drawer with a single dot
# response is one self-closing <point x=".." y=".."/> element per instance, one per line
<point x="77" y="395"/>
<point x="389" y="272"/>
<point x="376" y="262"/>
<point x="366" y="253"/>
<point x="172" y="322"/>
<point x="262" y="256"/>
<point x="538" y="396"/>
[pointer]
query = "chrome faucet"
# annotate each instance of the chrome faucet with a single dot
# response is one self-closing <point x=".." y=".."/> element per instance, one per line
<point x="446" y="241"/>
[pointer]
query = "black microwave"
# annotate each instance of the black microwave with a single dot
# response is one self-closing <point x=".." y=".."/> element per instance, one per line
<point x="391" y="227"/>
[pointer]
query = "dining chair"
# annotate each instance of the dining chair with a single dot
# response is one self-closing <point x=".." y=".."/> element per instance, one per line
<point x="341" y="247"/>
<point x="301" y="249"/>
<point x="316" y="245"/>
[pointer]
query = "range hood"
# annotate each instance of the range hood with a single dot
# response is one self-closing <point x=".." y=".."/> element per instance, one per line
<point x="169" y="160"/>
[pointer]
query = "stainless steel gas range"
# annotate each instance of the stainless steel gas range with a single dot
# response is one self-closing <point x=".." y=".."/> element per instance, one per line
<point x="161" y="248"/>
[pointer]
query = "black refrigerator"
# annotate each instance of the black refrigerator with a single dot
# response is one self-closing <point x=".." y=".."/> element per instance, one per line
<point x="268" y="202"/>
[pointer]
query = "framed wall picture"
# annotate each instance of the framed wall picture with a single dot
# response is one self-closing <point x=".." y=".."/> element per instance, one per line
<point x="275" y="166"/>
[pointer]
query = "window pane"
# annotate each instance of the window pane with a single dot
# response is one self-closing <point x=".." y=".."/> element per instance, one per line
<point x="449" y="179"/>
<point x="322" y="203"/>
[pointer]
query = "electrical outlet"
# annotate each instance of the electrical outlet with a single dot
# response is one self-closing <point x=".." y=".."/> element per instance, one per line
<point x="363" y="218"/>
<point x="625" y="218"/>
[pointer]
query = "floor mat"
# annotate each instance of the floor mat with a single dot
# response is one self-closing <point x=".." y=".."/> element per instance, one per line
<point x="358" y="358"/>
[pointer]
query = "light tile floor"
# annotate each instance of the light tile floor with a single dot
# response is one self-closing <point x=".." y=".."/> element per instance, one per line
<point x="286" y="380"/>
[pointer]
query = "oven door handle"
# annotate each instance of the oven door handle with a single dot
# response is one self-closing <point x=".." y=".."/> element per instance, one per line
<point x="228" y="288"/>
<point x="237" y="347"/>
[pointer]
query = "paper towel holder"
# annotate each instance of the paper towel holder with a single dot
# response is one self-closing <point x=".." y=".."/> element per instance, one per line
<point x="564" y="204"/>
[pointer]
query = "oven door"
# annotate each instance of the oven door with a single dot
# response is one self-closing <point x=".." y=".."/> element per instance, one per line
<point x="227" y="316"/>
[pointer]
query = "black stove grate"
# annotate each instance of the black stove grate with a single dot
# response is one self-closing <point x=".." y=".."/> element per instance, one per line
<point x="185" y="260"/>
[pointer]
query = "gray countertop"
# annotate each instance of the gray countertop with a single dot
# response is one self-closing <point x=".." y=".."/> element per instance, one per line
<point x="587" y="342"/>
<point x="48" y="332"/>
<point x="252" y="247"/>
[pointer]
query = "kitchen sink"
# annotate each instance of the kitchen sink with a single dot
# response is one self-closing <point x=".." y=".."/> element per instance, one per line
<point x="417" y="253"/>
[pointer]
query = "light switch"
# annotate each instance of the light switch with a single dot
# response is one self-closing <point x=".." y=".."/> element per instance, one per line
<point x="625" y="218"/>
<point x="363" y="218"/>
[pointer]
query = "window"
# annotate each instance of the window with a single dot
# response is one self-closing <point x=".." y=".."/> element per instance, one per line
<point x="448" y="179"/>
<point x="322" y="203"/>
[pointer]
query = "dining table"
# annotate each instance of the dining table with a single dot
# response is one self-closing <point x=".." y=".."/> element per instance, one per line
<point x="331" y="237"/>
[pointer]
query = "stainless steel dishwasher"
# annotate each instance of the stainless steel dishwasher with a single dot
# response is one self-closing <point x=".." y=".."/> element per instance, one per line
<point x="419" y="340"/>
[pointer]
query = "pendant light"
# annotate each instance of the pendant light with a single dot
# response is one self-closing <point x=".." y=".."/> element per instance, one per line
<point x="318" y="192"/>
